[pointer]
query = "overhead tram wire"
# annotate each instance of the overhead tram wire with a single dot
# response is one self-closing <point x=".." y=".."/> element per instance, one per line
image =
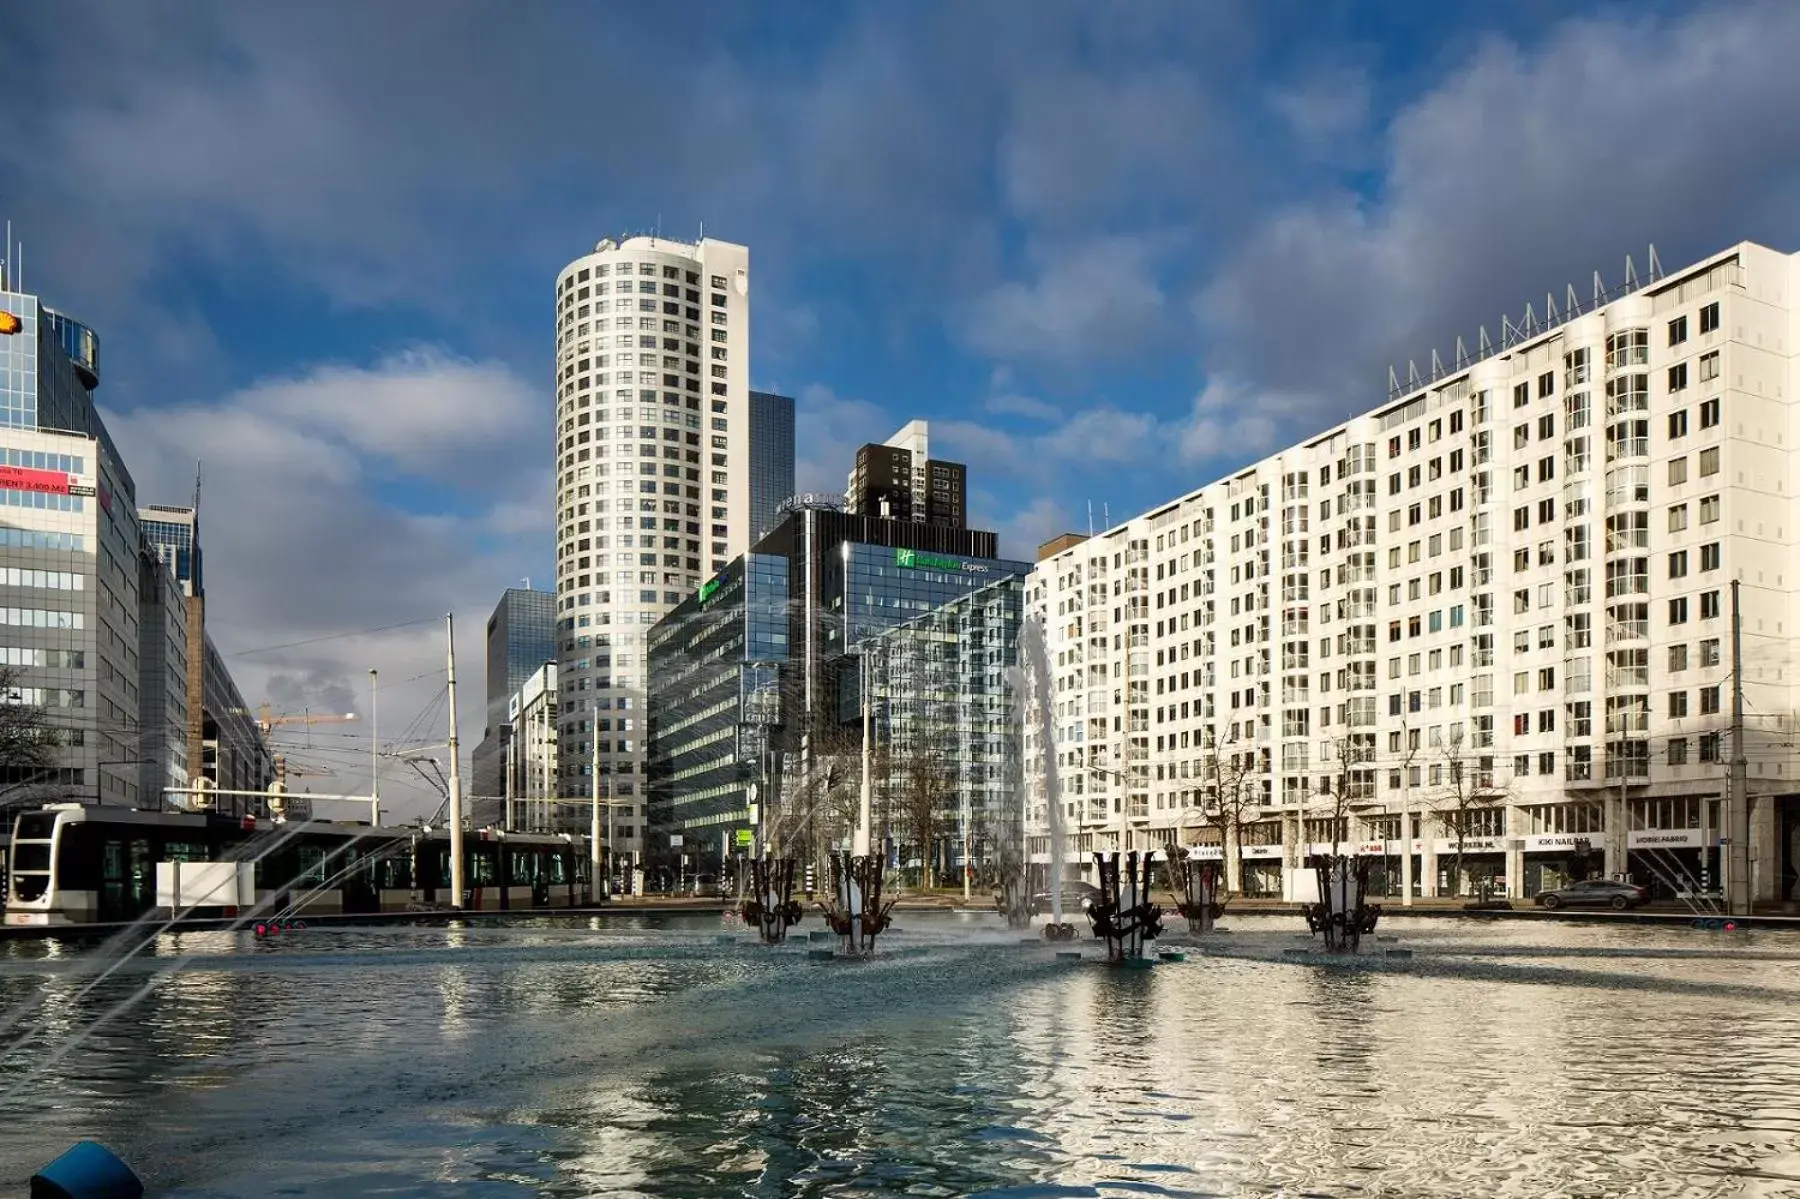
<point x="386" y="628"/>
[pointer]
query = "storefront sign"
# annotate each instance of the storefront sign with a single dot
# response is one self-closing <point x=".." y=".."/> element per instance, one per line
<point x="1665" y="838"/>
<point x="1559" y="842"/>
<point x="1447" y="846"/>
<point x="1206" y="853"/>
<point x="744" y="837"/>
<point x="915" y="560"/>
<point x="1262" y="851"/>
<point x="20" y="478"/>
<point x="1371" y="848"/>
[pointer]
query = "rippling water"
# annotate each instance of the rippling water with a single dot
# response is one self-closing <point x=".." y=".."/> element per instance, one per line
<point x="640" y="1057"/>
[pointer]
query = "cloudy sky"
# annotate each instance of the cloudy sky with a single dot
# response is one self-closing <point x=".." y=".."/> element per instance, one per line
<point x="1111" y="250"/>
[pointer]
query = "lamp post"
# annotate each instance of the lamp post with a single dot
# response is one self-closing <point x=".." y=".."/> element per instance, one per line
<point x="374" y="747"/>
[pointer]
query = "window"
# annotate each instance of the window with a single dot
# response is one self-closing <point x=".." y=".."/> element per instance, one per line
<point x="1546" y="426"/>
<point x="1546" y="384"/>
<point x="1678" y="377"/>
<point x="1678" y="703"/>
<point x="1709" y="367"/>
<point x="1678" y="751"/>
<point x="1521" y="437"/>
<point x="1678" y="424"/>
<point x="1709" y="652"/>
<point x="1677" y="471"/>
<point x="1521" y="394"/>
<point x="1709" y="462"/>
<point x="1709" y="556"/>
<point x="1709" y="701"/>
<point x="1678" y="564"/>
<point x="1709" y="413"/>
<point x="1709" y="317"/>
<point x="1709" y="747"/>
<point x="1678" y="330"/>
<point x="1709" y="605"/>
<point x="1678" y="518"/>
<point x="1678" y="610"/>
<point x="1677" y="659"/>
<point x="1709" y="509"/>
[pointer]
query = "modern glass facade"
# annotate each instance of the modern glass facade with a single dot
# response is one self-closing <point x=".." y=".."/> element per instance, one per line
<point x="942" y="697"/>
<point x="521" y="637"/>
<point x="169" y="533"/>
<point x="715" y="702"/>
<point x="771" y="458"/>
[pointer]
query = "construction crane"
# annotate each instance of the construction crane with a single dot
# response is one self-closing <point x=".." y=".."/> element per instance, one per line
<point x="270" y="721"/>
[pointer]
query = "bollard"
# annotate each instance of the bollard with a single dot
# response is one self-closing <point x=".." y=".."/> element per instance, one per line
<point x="86" y="1170"/>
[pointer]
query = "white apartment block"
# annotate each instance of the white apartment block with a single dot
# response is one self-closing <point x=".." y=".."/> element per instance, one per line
<point x="652" y="480"/>
<point x="1518" y="574"/>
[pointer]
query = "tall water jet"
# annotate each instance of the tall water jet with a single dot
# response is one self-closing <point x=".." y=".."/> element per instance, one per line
<point x="1034" y="668"/>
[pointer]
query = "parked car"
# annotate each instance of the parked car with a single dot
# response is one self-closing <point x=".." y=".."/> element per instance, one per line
<point x="1595" y="893"/>
<point x="1076" y="897"/>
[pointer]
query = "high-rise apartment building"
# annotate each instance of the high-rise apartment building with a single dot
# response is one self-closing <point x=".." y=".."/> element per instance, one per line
<point x="898" y="479"/>
<point x="521" y="638"/>
<point x="1492" y="616"/>
<point x="654" y="487"/>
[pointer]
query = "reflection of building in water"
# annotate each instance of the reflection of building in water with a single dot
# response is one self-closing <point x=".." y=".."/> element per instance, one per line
<point x="1442" y="613"/>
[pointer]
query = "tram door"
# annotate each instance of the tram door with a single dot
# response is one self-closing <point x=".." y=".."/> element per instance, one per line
<point x="127" y="878"/>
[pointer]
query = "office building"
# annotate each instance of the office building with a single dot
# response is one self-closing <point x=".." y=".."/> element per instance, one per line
<point x="943" y="712"/>
<point x="70" y="574"/>
<point x="162" y="679"/>
<point x="226" y="747"/>
<point x="531" y="760"/>
<point x="654" y="480"/>
<point x="521" y="637"/>
<point x="755" y="681"/>
<point x="1494" y="610"/>
<point x="898" y="479"/>
<point x="771" y="459"/>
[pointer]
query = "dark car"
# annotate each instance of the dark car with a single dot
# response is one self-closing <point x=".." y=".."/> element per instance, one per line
<point x="1076" y="898"/>
<point x="1595" y="893"/>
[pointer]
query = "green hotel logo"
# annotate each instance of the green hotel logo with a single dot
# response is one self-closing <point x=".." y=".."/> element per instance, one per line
<point x="708" y="588"/>
<point x="914" y="560"/>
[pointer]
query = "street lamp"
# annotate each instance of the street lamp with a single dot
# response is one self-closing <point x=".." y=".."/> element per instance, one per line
<point x="374" y="748"/>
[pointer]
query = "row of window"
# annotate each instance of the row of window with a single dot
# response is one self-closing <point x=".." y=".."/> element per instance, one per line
<point x="55" y="580"/>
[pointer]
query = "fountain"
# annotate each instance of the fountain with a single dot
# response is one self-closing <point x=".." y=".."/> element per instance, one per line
<point x="1197" y="883"/>
<point x="1034" y="677"/>
<point x="771" y="907"/>
<point x="1123" y="916"/>
<point x="1342" y="913"/>
<point x="857" y="914"/>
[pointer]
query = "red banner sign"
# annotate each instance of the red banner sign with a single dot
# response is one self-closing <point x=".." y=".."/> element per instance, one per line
<point x="19" y="478"/>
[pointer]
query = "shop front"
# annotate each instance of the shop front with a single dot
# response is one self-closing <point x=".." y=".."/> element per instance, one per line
<point x="1674" y="863"/>
<point x="1483" y="866"/>
<point x="1262" y="871"/>
<point x="1557" y="860"/>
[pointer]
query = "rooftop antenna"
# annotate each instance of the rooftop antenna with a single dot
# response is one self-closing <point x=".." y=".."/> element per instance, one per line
<point x="1655" y="264"/>
<point x="1105" y="514"/>
<point x="1090" y="518"/>
<point x="702" y="230"/>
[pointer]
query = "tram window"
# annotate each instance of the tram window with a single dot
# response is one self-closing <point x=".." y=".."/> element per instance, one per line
<point x="396" y="873"/>
<point x="558" y="868"/>
<point x="78" y="853"/>
<point x="524" y="866"/>
<point x="36" y="825"/>
<point x="484" y="862"/>
<point x="185" y="851"/>
<point x="312" y="864"/>
<point x="31" y="857"/>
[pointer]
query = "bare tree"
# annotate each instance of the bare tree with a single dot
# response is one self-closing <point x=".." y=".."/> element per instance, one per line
<point x="1232" y="798"/>
<point x="27" y="740"/>
<point x="1464" y="798"/>
<point x="923" y="784"/>
<point x="1352" y="784"/>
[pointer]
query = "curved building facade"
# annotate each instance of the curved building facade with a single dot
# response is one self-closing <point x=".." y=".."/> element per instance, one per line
<point x="653" y="494"/>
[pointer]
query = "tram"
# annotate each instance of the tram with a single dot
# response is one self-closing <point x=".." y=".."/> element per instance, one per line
<point x="73" y="864"/>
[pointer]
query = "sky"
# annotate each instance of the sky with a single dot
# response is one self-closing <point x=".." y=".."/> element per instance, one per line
<point x="1110" y="250"/>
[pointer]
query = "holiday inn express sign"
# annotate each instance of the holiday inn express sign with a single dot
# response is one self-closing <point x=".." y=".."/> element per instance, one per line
<point x="914" y="560"/>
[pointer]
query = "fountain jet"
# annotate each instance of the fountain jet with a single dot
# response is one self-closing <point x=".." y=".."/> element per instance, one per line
<point x="1123" y="916"/>
<point x="1343" y="913"/>
<point x="857" y="914"/>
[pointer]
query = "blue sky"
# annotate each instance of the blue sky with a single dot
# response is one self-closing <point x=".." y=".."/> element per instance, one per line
<point x="1111" y="250"/>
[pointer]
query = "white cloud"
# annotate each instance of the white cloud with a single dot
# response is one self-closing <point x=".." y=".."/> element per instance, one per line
<point x="1096" y="300"/>
<point x="828" y="430"/>
<point x="301" y="547"/>
<point x="1523" y="169"/>
<point x="1013" y="404"/>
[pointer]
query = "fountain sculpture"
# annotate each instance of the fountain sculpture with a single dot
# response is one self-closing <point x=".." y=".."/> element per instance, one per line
<point x="1197" y="884"/>
<point x="771" y="907"/>
<point x="1123" y="916"/>
<point x="1342" y="913"/>
<point x="857" y="914"/>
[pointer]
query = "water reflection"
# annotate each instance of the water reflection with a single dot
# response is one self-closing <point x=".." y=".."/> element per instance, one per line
<point x="641" y="1057"/>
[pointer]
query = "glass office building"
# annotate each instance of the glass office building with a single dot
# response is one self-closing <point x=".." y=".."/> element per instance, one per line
<point x="521" y="637"/>
<point x="941" y="696"/>
<point x="755" y="678"/>
<point x="715" y="703"/>
<point x="771" y="459"/>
